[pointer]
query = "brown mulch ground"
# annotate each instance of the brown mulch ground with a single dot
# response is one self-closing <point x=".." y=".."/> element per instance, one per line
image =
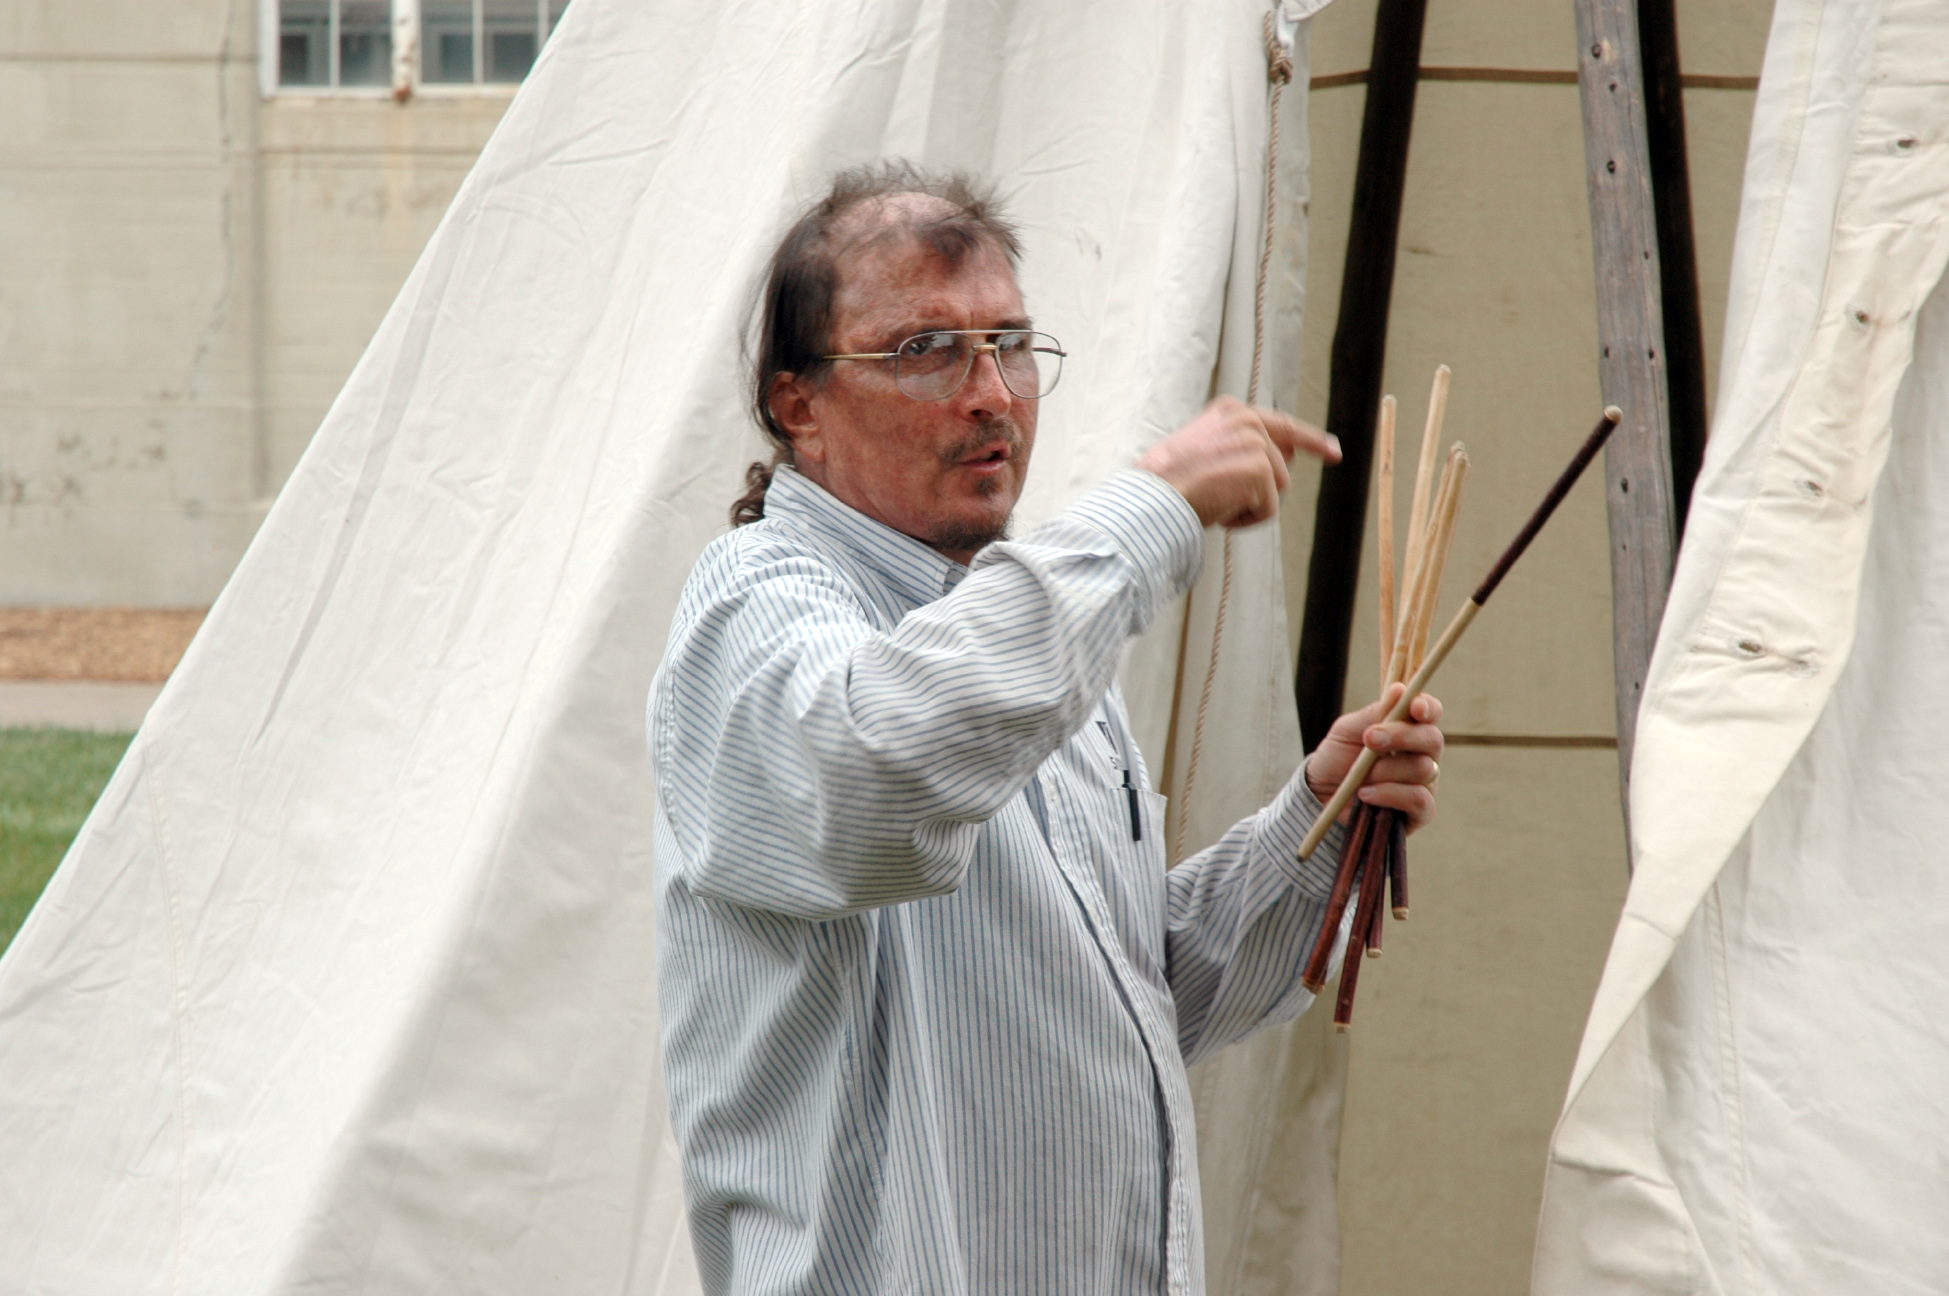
<point x="95" y="643"/>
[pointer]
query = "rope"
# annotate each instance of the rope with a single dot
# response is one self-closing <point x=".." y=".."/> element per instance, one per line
<point x="1279" y="70"/>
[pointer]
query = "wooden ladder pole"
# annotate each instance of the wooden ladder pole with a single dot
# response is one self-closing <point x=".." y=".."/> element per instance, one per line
<point x="1632" y="362"/>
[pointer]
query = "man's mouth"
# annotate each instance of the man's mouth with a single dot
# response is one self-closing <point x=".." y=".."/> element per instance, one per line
<point x="990" y="459"/>
<point x="988" y="455"/>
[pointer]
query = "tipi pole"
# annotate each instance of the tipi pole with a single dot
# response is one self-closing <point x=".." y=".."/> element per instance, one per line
<point x="1354" y="376"/>
<point x="1632" y="363"/>
<point x="1678" y="273"/>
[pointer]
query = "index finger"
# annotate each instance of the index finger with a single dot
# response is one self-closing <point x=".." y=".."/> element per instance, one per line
<point x="1291" y="435"/>
<point x="1398" y="737"/>
<point x="1277" y="459"/>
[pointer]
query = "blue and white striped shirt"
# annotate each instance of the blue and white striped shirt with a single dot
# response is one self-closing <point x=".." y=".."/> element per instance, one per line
<point x="928" y="991"/>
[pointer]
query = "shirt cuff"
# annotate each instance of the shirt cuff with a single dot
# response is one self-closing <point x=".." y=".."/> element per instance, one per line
<point x="1147" y="519"/>
<point x="1289" y="818"/>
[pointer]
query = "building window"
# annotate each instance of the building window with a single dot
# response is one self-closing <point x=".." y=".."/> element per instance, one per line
<point x="335" y="43"/>
<point x="483" y="42"/>
<point x="348" y="44"/>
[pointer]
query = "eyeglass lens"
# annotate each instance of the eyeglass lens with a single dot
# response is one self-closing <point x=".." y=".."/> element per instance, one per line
<point x="932" y="366"/>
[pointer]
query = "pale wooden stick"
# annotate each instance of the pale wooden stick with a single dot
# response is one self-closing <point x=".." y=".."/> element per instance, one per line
<point x="1416" y="607"/>
<point x="1424" y="473"/>
<point x="1440" y="538"/>
<point x="1418" y="512"/>
<point x="1413" y="563"/>
<point x="1408" y="626"/>
<point x="1386" y="510"/>
<point x="1363" y="764"/>
<point x="1397" y="657"/>
<point x="1418" y="611"/>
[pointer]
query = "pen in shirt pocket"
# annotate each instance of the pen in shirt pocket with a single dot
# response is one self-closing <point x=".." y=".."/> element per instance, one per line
<point x="1129" y="788"/>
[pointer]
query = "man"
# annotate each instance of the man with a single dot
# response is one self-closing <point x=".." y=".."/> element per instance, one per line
<point x="928" y="988"/>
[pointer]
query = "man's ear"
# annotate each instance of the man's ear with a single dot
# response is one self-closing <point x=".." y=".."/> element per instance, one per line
<point x="790" y="401"/>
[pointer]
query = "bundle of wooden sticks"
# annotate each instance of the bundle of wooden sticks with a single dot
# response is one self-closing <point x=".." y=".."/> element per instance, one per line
<point x="1374" y="859"/>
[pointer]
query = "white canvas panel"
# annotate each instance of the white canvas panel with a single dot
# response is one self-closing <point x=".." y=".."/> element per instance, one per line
<point x="347" y="985"/>
<point x="1757" y="1104"/>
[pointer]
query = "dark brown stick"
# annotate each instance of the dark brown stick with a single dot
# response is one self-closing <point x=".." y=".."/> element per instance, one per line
<point x="1561" y="487"/>
<point x="1349" y="978"/>
<point x="1373" y="881"/>
<point x="1314" y="978"/>
<point x="1379" y="847"/>
<point x="1397" y="865"/>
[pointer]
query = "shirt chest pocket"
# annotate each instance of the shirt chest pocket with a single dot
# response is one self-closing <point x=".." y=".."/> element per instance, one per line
<point x="1139" y="813"/>
<point x="1131" y="832"/>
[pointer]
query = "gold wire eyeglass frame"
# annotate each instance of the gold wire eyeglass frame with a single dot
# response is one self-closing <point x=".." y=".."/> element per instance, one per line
<point x="1054" y="348"/>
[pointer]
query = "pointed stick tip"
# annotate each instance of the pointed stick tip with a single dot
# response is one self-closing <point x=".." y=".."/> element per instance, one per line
<point x="1613" y="414"/>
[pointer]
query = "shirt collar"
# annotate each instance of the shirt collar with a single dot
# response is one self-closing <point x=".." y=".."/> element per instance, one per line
<point x="916" y="572"/>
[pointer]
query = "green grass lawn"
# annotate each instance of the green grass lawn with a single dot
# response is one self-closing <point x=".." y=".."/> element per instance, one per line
<point x="49" y="779"/>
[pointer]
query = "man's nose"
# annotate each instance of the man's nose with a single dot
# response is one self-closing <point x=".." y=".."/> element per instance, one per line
<point x="983" y="394"/>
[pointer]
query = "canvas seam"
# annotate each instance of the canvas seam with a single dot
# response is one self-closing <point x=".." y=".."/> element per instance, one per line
<point x="179" y="1006"/>
<point x="1731" y="1089"/>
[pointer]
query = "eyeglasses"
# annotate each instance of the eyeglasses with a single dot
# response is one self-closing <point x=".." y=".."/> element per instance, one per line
<point x="932" y="366"/>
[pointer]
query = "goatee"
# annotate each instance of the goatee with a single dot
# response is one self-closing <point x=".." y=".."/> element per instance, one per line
<point x="964" y="536"/>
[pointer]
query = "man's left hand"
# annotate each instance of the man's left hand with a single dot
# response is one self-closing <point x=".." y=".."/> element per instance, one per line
<point x="1404" y="777"/>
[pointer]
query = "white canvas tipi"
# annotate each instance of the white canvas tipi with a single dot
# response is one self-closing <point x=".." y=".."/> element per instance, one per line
<point x="1759" y="1104"/>
<point x="347" y="984"/>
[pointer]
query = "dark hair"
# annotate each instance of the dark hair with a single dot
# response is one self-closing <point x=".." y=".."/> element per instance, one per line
<point x="795" y="305"/>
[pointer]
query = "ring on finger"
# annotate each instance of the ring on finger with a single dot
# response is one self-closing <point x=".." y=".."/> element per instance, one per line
<point x="1436" y="776"/>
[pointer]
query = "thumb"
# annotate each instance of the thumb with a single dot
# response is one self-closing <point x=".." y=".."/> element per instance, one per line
<point x="1359" y="722"/>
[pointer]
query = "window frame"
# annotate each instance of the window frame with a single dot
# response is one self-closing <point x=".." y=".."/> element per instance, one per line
<point x="408" y="58"/>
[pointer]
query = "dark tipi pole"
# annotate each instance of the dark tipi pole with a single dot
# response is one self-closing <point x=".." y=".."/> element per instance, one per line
<point x="1678" y="273"/>
<point x="1359" y="353"/>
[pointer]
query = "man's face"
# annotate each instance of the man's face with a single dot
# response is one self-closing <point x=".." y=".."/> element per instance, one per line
<point x="947" y="472"/>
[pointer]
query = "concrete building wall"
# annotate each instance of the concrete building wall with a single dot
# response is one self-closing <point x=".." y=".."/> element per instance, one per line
<point x="127" y="299"/>
<point x="187" y="274"/>
<point x="1467" y="1028"/>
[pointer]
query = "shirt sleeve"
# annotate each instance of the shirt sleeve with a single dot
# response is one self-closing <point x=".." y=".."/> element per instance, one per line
<point x="1240" y="921"/>
<point x="813" y="764"/>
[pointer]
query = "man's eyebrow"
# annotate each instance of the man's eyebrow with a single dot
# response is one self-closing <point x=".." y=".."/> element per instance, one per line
<point x="1011" y="324"/>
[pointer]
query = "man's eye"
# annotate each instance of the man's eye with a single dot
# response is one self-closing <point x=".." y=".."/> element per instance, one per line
<point x="1011" y="343"/>
<point x="926" y="344"/>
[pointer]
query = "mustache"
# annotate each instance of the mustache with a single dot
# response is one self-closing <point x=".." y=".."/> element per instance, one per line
<point x="1002" y="429"/>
